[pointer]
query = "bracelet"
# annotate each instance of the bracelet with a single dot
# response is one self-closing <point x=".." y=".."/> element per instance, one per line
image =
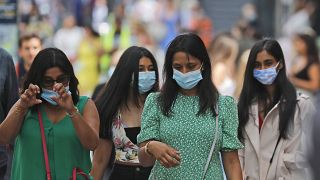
<point x="73" y="114"/>
<point x="146" y="149"/>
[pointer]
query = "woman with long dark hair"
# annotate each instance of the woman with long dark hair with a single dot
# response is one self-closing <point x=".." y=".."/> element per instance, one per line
<point x="188" y="122"/>
<point x="271" y="117"/>
<point x="120" y="105"/>
<point x="305" y="72"/>
<point x="70" y="122"/>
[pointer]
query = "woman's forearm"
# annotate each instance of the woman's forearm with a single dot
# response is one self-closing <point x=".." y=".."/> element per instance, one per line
<point x="305" y="84"/>
<point x="11" y="125"/>
<point x="101" y="158"/>
<point x="145" y="159"/>
<point x="87" y="125"/>
<point x="87" y="136"/>
<point x="231" y="165"/>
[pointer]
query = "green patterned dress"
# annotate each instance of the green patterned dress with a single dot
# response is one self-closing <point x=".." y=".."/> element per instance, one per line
<point x="192" y="135"/>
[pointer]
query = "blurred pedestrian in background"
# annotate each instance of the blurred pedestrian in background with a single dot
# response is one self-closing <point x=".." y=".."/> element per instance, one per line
<point x="8" y="96"/>
<point x="273" y="117"/>
<point x="117" y="37"/>
<point x="120" y="105"/>
<point x="201" y="24"/>
<point x="305" y="70"/>
<point x="223" y="52"/>
<point x="68" y="37"/>
<point x="36" y="18"/>
<point x="188" y="121"/>
<point x="70" y="122"/>
<point x="87" y="67"/>
<point x="29" y="47"/>
<point x="114" y="61"/>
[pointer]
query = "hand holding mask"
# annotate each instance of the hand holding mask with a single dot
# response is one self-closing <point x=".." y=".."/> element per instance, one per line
<point x="29" y="96"/>
<point x="59" y="96"/>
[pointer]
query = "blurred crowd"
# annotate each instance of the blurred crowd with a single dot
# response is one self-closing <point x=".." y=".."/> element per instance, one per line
<point x="94" y="33"/>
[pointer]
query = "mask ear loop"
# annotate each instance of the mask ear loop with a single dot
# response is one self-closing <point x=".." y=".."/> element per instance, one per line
<point x="132" y="79"/>
<point x="201" y="67"/>
<point x="276" y="67"/>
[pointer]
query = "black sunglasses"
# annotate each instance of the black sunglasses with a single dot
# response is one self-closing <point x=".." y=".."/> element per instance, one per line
<point x="49" y="82"/>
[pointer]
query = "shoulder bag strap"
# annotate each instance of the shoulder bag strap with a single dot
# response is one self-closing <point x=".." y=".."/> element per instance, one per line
<point x="44" y="146"/>
<point x="212" y="147"/>
<point x="78" y="171"/>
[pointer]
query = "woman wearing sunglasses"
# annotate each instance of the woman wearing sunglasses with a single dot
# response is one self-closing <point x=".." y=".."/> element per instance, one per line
<point x="70" y="122"/>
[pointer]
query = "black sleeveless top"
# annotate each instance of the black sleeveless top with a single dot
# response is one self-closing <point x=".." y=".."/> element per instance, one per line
<point x="132" y="133"/>
<point x="303" y="74"/>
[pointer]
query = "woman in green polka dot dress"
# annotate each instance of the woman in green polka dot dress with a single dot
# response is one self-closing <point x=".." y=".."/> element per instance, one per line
<point x="178" y="124"/>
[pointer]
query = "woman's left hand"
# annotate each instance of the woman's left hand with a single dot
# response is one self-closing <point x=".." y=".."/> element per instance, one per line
<point x="65" y="99"/>
<point x="165" y="154"/>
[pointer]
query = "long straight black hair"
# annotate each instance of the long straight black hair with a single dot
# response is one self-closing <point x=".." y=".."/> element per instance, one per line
<point x="191" y="44"/>
<point x="123" y="82"/>
<point x="255" y="91"/>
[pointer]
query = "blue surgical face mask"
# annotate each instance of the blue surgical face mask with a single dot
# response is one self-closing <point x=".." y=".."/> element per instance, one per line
<point x="266" y="76"/>
<point x="146" y="81"/>
<point x="47" y="94"/>
<point x="187" y="80"/>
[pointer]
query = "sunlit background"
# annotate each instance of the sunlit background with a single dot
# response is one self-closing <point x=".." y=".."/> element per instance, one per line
<point x="99" y="30"/>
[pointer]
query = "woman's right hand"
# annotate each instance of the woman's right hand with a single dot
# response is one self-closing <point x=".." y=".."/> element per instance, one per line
<point x="29" y="97"/>
<point x="166" y="155"/>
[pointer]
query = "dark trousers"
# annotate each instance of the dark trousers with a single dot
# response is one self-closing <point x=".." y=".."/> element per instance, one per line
<point x="123" y="172"/>
<point x="6" y="153"/>
<point x="3" y="171"/>
<point x="3" y="161"/>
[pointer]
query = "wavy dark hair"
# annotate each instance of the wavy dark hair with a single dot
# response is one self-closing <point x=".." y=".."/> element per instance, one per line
<point x="123" y="81"/>
<point x="49" y="58"/>
<point x="192" y="45"/>
<point x="255" y="91"/>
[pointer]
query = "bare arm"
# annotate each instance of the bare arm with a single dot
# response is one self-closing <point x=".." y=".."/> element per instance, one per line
<point x="11" y="125"/>
<point x="101" y="157"/>
<point x="166" y="155"/>
<point x="87" y="126"/>
<point x="241" y="159"/>
<point x="231" y="165"/>
<point x="145" y="159"/>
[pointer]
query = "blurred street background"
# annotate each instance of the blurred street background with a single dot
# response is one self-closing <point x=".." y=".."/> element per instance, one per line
<point x="93" y="33"/>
